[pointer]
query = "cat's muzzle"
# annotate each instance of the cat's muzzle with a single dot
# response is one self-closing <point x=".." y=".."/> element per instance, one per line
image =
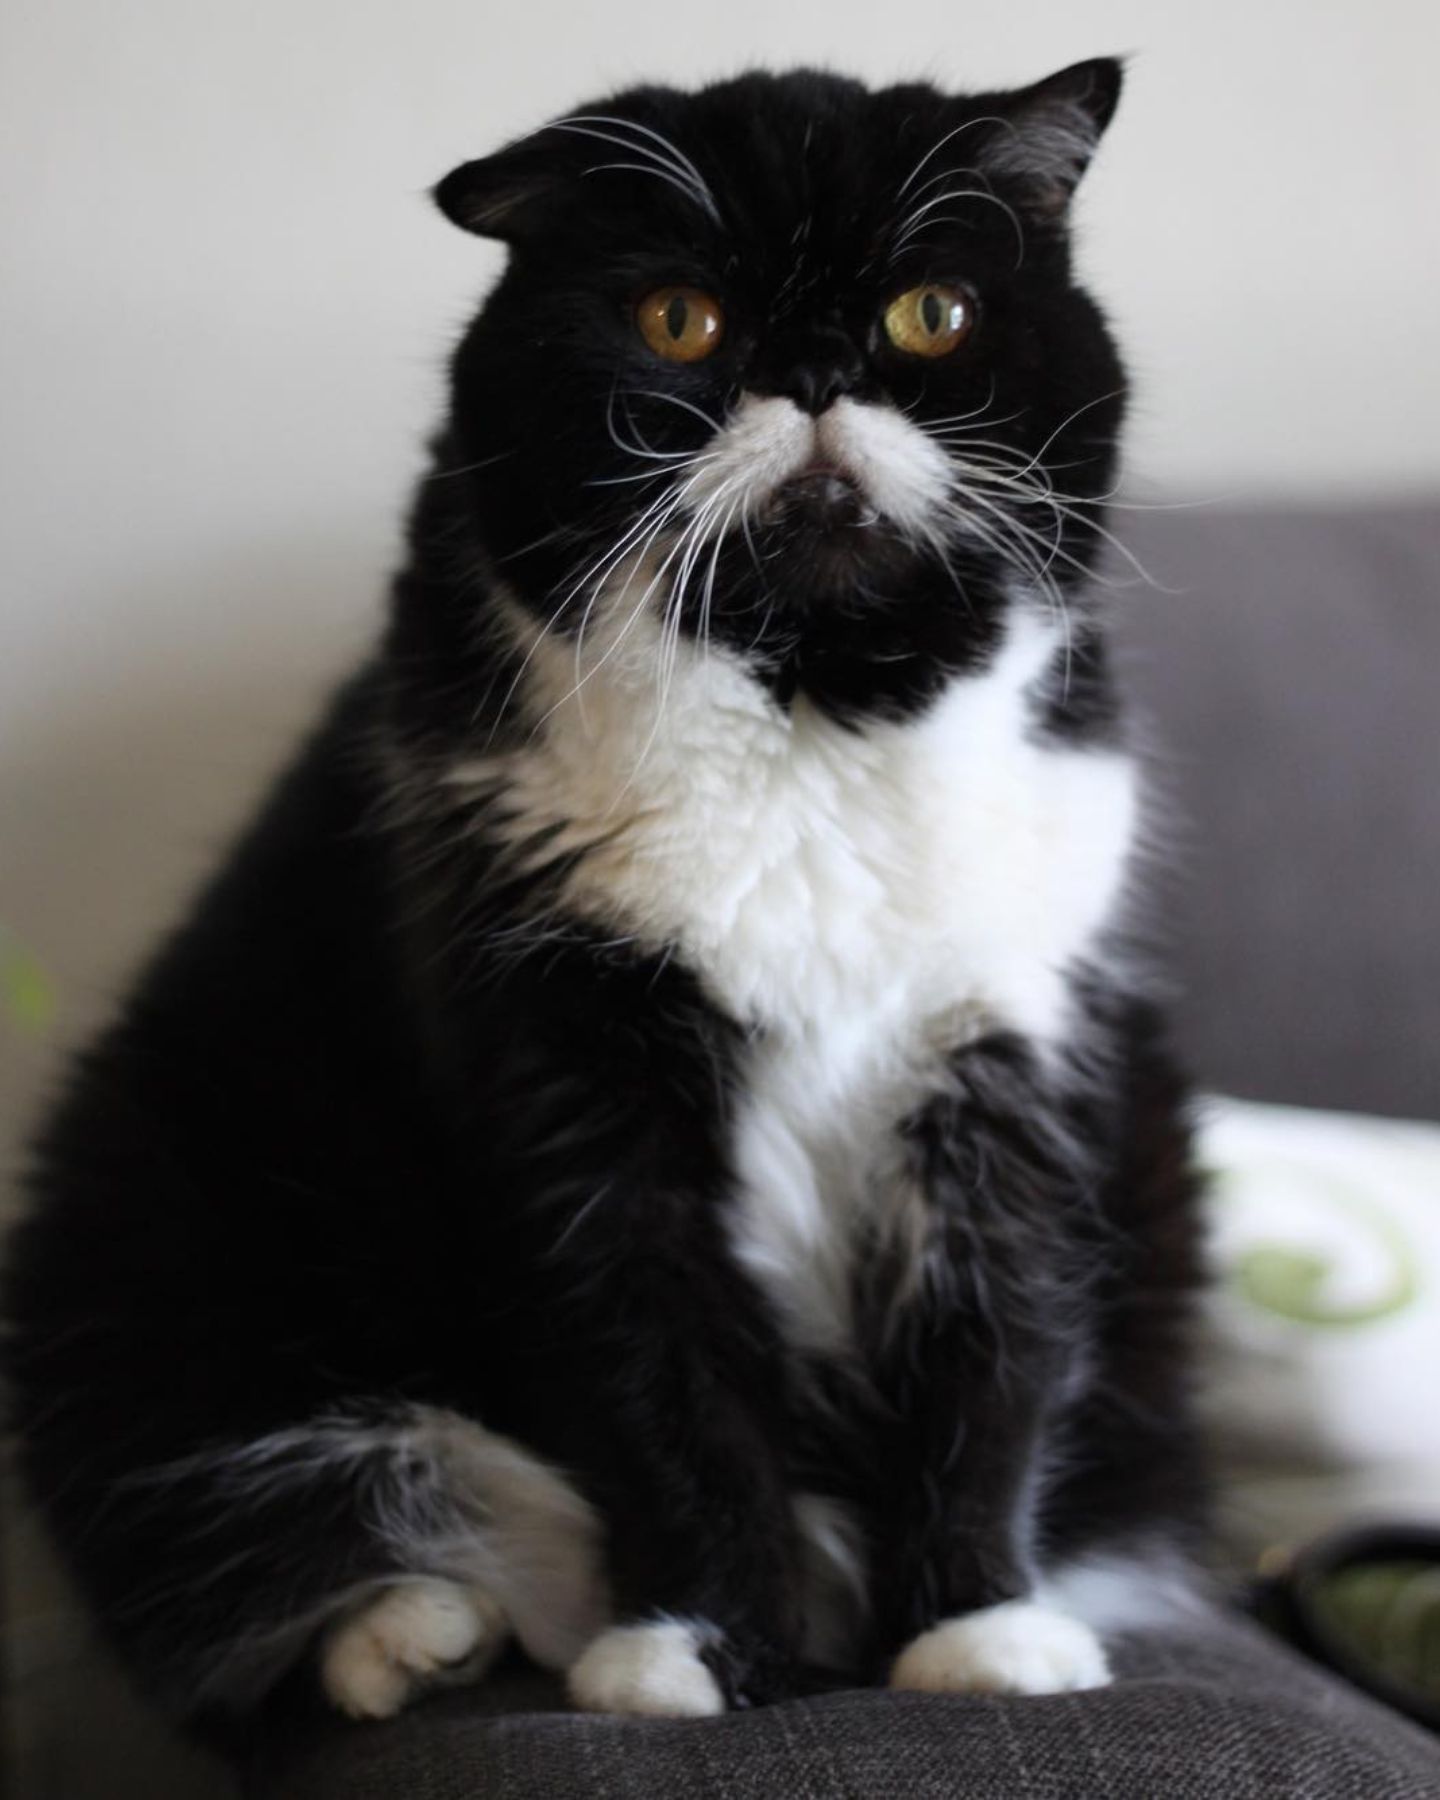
<point x="822" y="500"/>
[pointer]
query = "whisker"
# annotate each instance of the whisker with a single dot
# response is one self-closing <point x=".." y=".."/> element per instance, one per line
<point x="658" y="516"/>
<point x="554" y="536"/>
<point x="597" y="572"/>
<point x="638" y="561"/>
<point x="661" y="174"/>
<point x="671" y="149"/>
<point x="677" y="400"/>
<point x="909" y="226"/>
<point x="682" y="172"/>
<point x="635" y="449"/>
<point x="1069" y="420"/>
<point x="949" y="138"/>
<point x="485" y="462"/>
<point x="955" y="418"/>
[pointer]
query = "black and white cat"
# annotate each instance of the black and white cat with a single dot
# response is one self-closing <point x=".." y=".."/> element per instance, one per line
<point x="654" y="1145"/>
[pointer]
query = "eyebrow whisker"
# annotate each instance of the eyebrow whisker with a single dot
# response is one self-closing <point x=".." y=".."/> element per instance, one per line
<point x="674" y="166"/>
<point x="949" y="138"/>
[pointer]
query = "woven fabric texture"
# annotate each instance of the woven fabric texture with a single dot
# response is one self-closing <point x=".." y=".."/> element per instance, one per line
<point x="1216" y="1714"/>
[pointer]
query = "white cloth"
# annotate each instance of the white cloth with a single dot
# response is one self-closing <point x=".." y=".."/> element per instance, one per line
<point x="1322" y="1374"/>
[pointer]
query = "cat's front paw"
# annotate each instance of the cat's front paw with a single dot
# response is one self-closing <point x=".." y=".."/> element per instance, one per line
<point x="415" y="1634"/>
<point x="653" y="1670"/>
<point x="1018" y="1647"/>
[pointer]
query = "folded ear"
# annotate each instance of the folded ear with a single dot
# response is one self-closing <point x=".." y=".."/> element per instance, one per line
<point x="509" y="195"/>
<point x="1052" y="130"/>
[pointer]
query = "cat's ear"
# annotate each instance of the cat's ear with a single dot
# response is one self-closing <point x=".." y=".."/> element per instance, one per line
<point x="1052" y="129"/>
<point x="506" y="195"/>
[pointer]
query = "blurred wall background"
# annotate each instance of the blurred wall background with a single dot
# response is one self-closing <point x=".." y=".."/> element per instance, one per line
<point x="226" y="303"/>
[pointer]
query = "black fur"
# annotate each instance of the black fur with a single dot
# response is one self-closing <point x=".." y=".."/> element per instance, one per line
<point x="379" y="1127"/>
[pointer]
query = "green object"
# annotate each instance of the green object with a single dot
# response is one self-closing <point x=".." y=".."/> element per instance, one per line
<point x="1283" y="1279"/>
<point x="25" y="989"/>
<point x="1290" y="1280"/>
<point x="1388" y="1614"/>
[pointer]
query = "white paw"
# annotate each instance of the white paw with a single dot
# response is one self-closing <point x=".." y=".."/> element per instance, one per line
<point x="413" y="1634"/>
<point x="1017" y="1647"/>
<point x="650" y="1669"/>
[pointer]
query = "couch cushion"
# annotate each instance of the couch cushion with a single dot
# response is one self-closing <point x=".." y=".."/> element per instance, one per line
<point x="1216" y="1713"/>
<point x="1292" y="679"/>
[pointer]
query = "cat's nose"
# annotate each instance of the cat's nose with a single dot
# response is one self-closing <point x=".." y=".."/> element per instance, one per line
<point x="814" y="389"/>
<point x="816" y="373"/>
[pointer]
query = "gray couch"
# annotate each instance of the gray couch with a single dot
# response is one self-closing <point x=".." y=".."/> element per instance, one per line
<point x="1292" y="672"/>
<point x="1290" y="669"/>
<point x="1223" y="1715"/>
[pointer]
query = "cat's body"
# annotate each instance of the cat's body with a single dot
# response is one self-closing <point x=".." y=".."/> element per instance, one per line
<point x="654" y="1143"/>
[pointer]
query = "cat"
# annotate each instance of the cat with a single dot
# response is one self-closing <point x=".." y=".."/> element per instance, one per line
<point x="659" y="1145"/>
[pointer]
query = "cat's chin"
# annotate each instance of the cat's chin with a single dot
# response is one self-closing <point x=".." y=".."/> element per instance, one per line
<point x="819" y="565"/>
<point x="822" y="500"/>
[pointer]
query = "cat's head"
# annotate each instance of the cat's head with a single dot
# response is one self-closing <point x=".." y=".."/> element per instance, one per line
<point x="797" y="365"/>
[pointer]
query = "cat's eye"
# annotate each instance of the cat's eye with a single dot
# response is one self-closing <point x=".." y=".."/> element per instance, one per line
<point x="680" y="323"/>
<point x="931" y="320"/>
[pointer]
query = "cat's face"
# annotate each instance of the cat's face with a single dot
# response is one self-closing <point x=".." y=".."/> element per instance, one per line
<point x="793" y="365"/>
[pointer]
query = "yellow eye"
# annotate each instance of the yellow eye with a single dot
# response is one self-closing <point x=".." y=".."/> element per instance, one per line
<point x="929" y="320"/>
<point x="680" y="323"/>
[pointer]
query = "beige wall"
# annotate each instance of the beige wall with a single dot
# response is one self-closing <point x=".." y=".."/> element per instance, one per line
<point x="225" y="302"/>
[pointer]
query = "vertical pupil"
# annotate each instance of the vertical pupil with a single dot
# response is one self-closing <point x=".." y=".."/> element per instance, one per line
<point x="675" y="315"/>
<point x="931" y="312"/>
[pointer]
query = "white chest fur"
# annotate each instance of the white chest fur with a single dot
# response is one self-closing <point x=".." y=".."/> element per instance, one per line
<point x="868" y="899"/>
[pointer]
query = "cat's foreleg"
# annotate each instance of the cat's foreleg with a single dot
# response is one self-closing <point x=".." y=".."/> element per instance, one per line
<point x="963" y="1589"/>
<point x="701" y="1545"/>
<point x="649" y="1357"/>
<point x="982" y="1341"/>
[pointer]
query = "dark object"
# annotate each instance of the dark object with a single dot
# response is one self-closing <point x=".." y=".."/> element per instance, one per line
<point x="1366" y="1602"/>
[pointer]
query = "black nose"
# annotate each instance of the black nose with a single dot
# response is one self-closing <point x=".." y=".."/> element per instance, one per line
<point x="816" y="370"/>
<point x="813" y="388"/>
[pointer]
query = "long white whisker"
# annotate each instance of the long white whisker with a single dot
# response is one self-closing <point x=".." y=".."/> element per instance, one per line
<point x="657" y="516"/>
<point x="638" y="561"/>
<point x="485" y="462"/>
<point x="675" y="162"/>
<point x="1069" y="420"/>
<point x="949" y="138"/>
<point x="597" y="572"/>
<point x="632" y="449"/>
<point x="678" y="182"/>
<point x="688" y="549"/>
<point x="672" y="150"/>
<point x="955" y="418"/>
<point x="677" y="400"/>
<point x="974" y="478"/>
<point x="994" y="535"/>
<point x="1063" y="505"/>
<point x="709" y="594"/>
<point x="910" y="226"/>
